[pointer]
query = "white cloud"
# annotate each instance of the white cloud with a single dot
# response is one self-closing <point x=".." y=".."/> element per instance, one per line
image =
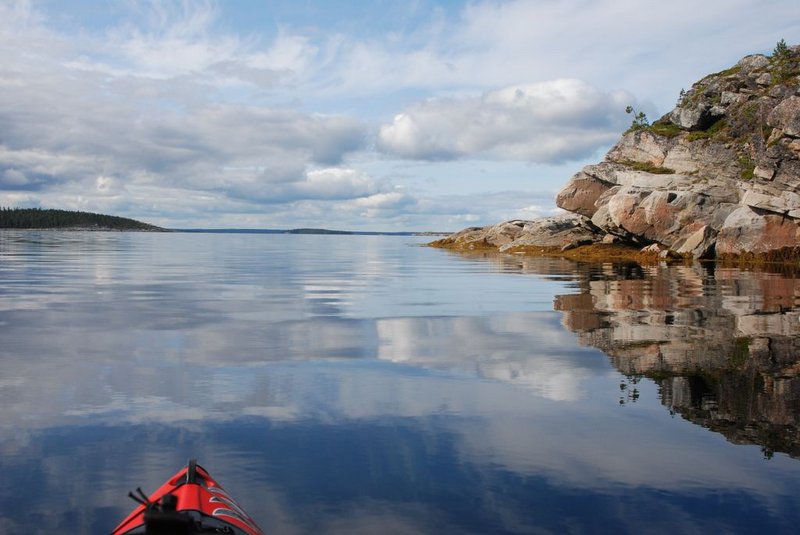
<point x="146" y="118"/>
<point x="321" y="184"/>
<point x="544" y="122"/>
<point x="608" y="43"/>
<point x="337" y="183"/>
<point x="177" y="100"/>
<point x="390" y="205"/>
<point x="288" y="184"/>
<point x="385" y="200"/>
<point x="108" y="186"/>
<point x="288" y="52"/>
<point x="171" y="39"/>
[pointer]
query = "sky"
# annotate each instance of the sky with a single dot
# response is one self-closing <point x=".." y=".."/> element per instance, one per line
<point x="361" y="115"/>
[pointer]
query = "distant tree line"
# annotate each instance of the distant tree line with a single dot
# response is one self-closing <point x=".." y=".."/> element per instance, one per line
<point x="38" y="218"/>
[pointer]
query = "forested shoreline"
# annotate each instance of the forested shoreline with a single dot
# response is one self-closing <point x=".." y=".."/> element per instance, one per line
<point x="38" y="218"/>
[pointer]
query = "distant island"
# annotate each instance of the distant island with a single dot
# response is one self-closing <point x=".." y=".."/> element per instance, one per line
<point x="47" y="219"/>
<point x="309" y="231"/>
<point x="51" y="219"/>
<point x="362" y="232"/>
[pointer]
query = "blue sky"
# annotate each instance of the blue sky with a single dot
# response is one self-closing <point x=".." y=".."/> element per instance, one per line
<point x="350" y="115"/>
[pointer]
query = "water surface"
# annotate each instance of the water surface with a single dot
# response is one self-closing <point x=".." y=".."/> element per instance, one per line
<point x="364" y="384"/>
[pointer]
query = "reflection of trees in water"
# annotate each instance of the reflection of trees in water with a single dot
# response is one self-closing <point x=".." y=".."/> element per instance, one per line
<point x="723" y="344"/>
<point x="628" y="390"/>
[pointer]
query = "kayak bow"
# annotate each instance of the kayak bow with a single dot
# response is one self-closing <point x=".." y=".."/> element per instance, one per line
<point x="189" y="502"/>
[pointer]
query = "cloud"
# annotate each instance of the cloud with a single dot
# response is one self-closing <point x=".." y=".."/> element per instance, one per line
<point x="338" y="184"/>
<point x="320" y="184"/>
<point x="608" y="43"/>
<point x="160" y="122"/>
<point x="140" y="114"/>
<point x="394" y="199"/>
<point x="214" y="108"/>
<point x="547" y="122"/>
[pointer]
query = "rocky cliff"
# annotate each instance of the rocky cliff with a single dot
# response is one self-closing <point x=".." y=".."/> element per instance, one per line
<point x="718" y="175"/>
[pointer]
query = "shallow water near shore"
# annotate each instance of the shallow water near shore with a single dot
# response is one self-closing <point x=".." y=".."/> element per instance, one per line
<point x="366" y="384"/>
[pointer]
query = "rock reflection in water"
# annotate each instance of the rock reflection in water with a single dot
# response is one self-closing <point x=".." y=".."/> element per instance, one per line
<point x="722" y="344"/>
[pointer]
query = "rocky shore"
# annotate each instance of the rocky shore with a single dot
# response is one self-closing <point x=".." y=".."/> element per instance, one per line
<point x="717" y="177"/>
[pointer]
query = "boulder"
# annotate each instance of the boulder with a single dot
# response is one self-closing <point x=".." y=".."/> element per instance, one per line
<point x="786" y="203"/>
<point x="700" y="244"/>
<point x="765" y="79"/>
<point x="639" y="146"/>
<point x="749" y="230"/>
<point x="581" y="194"/>
<point x="666" y="217"/>
<point x="786" y="116"/>
<point x="563" y="231"/>
<point x="658" y="250"/>
<point x="551" y="232"/>
<point x="484" y="237"/>
<point x="753" y="62"/>
<point x="696" y="117"/>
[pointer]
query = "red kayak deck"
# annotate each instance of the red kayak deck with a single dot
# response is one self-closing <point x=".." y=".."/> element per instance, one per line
<point x="189" y="502"/>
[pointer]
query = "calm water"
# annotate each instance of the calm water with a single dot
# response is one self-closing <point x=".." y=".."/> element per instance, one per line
<point x="344" y="384"/>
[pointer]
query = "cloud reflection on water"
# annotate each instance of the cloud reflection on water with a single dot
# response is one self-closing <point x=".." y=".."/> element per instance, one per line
<point x="380" y="406"/>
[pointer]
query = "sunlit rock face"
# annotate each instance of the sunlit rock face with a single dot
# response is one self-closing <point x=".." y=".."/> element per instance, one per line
<point x="723" y="359"/>
<point x="719" y="174"/>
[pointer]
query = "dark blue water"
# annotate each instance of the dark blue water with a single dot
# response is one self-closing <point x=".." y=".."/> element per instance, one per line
<point x="364" y="384"/>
